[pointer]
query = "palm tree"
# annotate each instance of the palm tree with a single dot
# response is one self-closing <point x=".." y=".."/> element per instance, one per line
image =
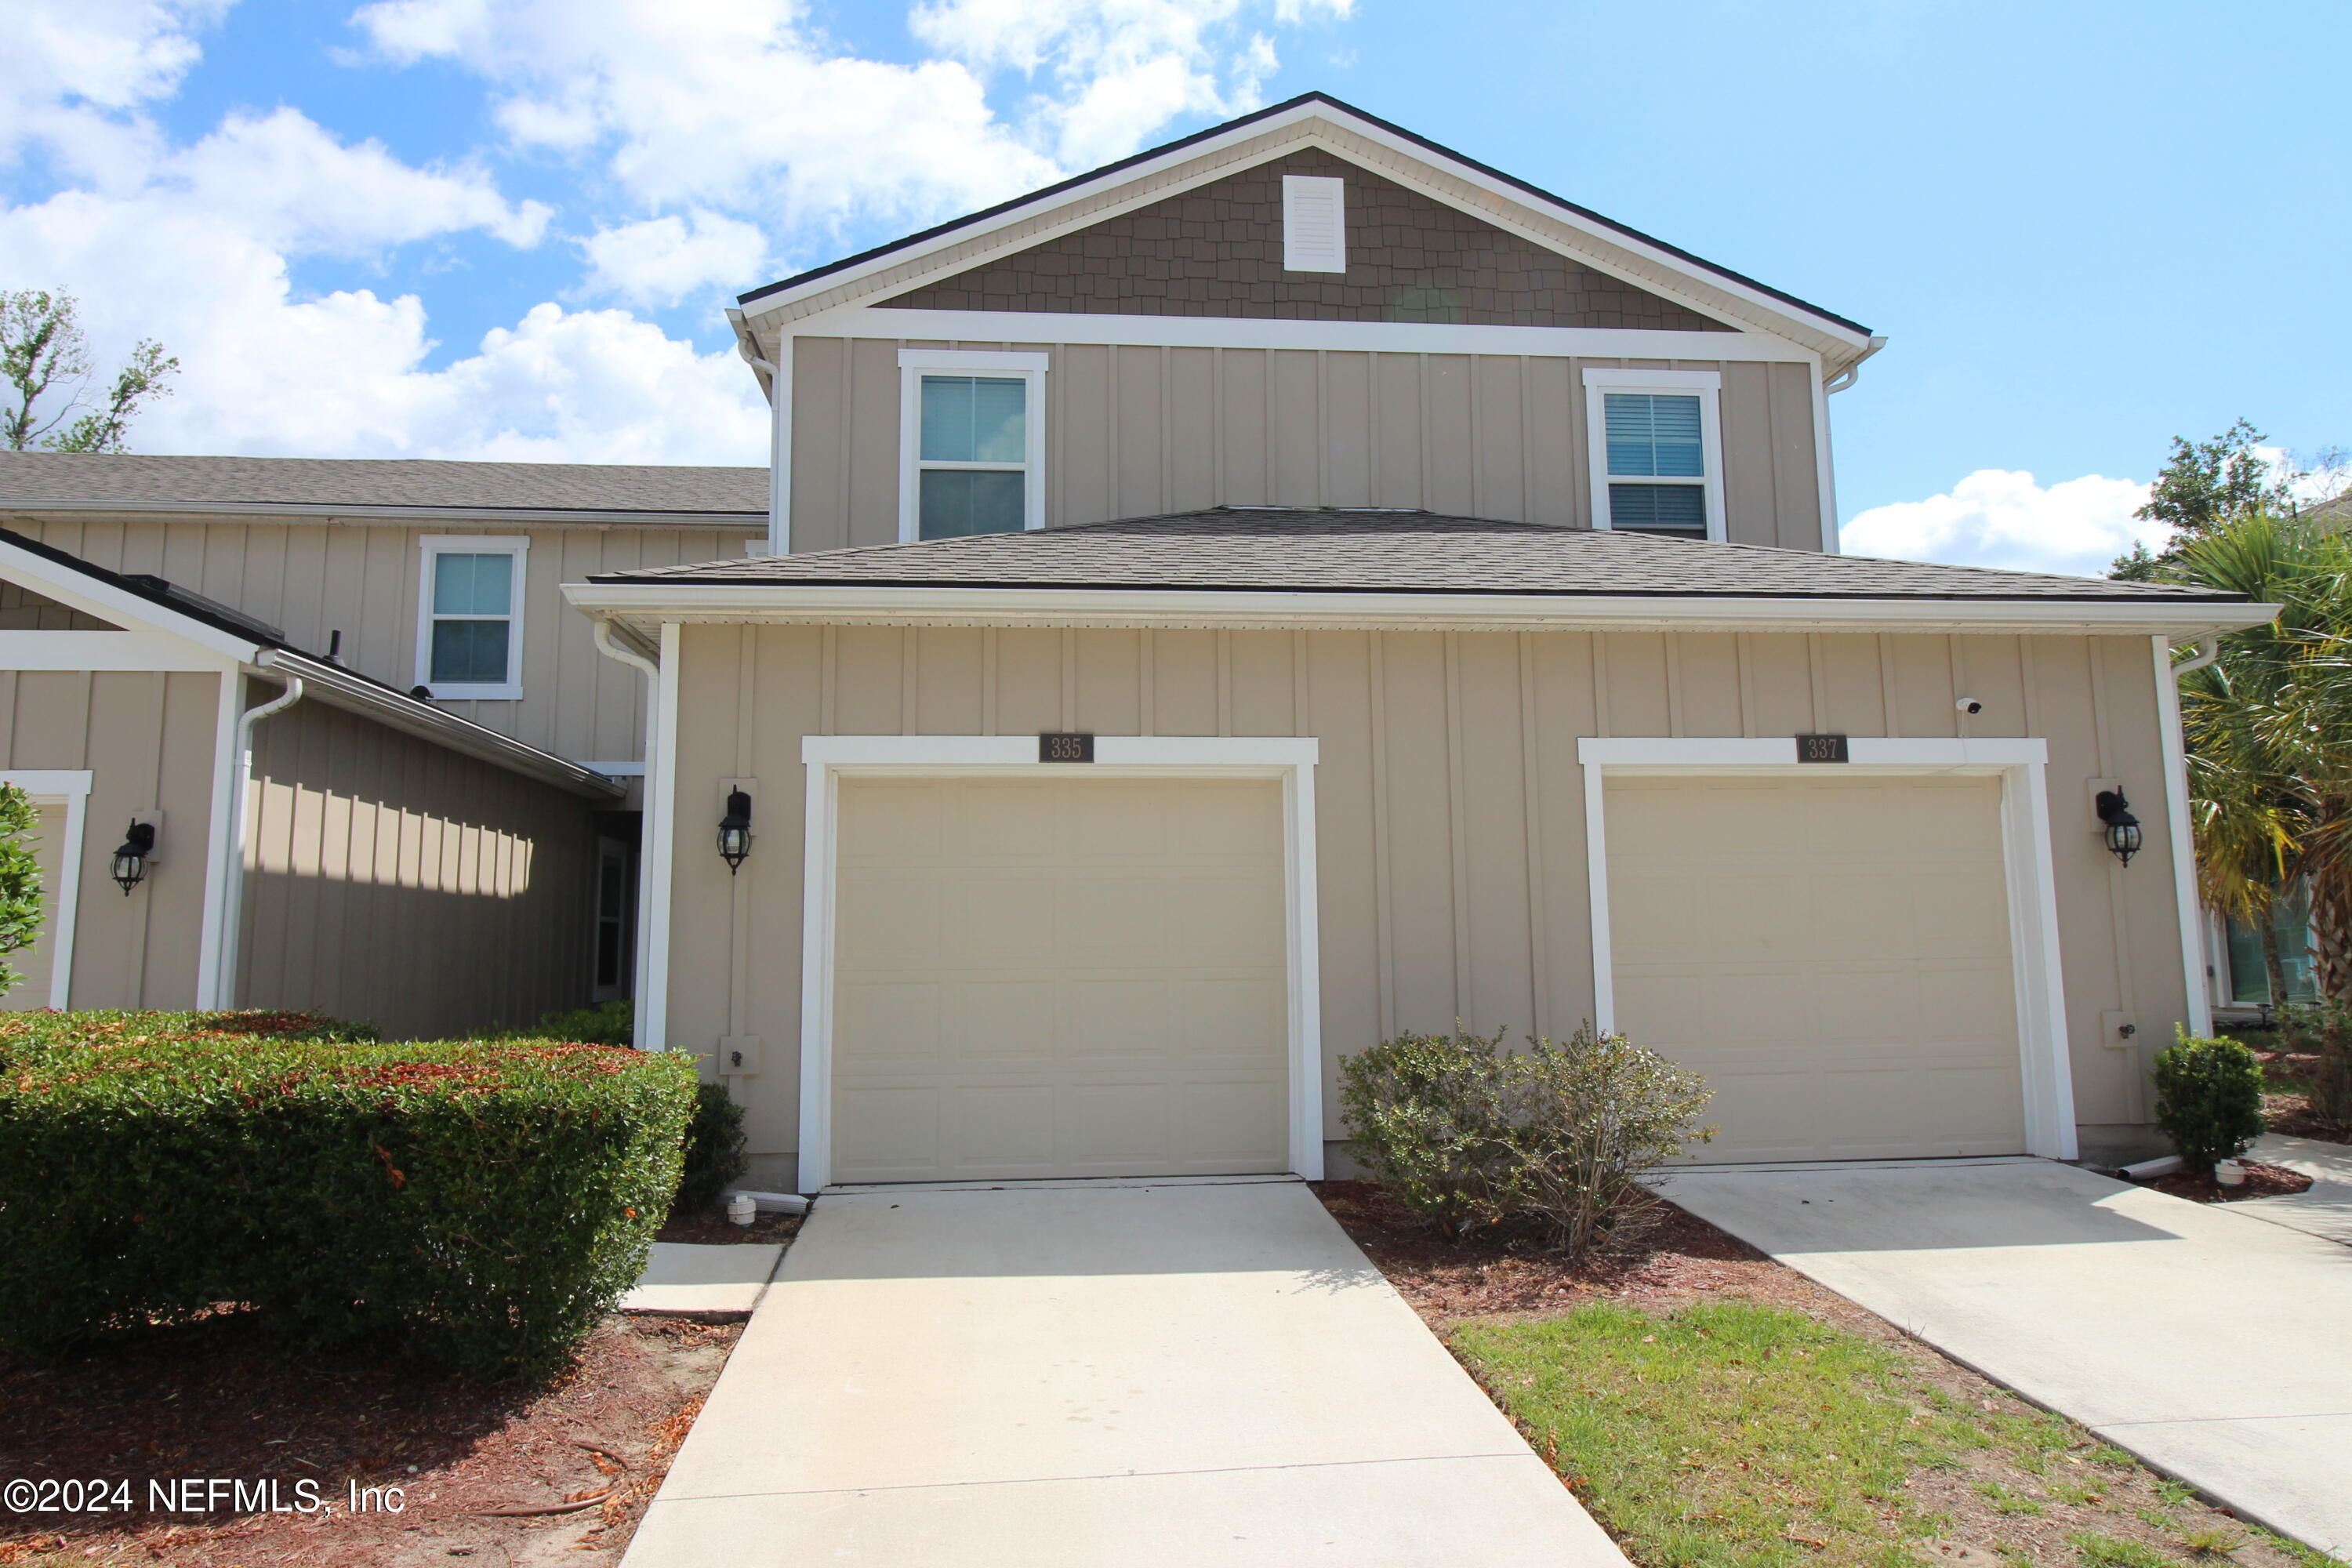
<point x="2269" y="731"/>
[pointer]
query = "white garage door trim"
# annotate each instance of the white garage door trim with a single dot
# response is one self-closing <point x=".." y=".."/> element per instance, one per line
<point x="832" y="758"/>
<point x="2025" y="847"/>
<point x="69" y="787"/>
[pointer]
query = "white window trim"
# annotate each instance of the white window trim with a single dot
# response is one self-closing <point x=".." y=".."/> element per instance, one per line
<point x="1708" y="386"/>
<point x="435" y="545"/>
<point x="1026" y="367"/>
<point x="832" y="758"/>
<point x="69" y="787"/>
<point x="2032" y="882"/>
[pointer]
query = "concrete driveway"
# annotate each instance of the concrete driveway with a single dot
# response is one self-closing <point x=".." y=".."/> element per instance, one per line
<point x="1206" y="1374"/>
<point x="2209" y="1343"/>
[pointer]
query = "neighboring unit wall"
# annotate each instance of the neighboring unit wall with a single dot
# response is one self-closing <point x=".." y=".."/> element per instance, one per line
<point x="1448" y="769"/>
<point x="1137" y="431"/>
<point x="23" y="610"/>
<point x="393" y="880"/>
<point x="312" y="578"/>
<point x="149" y="740"/>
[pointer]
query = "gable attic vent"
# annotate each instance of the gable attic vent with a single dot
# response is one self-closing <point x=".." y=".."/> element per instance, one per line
<point x="1314" y="224"/>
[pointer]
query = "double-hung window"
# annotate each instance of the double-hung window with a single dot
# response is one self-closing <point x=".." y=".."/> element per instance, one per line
<point x="1657" y="451"/>
<point x="971" y="444"/>
<point x="470" y="617"/>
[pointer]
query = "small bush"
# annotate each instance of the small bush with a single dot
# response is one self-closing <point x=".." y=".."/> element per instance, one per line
<point x="1554" y="1139"/>
<point x="714" y="1148"/>
<point x="478" y="1205"/>
<point x="2208" y="1099"/>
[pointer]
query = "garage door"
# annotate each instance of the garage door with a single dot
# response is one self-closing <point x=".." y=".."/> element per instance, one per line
<point x="1833" y="953"/>
<point x="33" y="965"/>
<point x="1050" y="977"/>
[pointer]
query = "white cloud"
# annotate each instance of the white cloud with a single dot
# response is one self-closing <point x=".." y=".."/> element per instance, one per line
<point x="662" y="260"/>
<point x="1999" y="518"/>
<point x="68" y="58"/>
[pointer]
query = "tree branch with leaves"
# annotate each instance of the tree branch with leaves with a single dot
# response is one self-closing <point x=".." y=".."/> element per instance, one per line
<point x="57" y="402"/>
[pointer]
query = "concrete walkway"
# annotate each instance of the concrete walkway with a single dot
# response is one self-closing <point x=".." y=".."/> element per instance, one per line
<point x="1208" y="1375"/>
<point x="2208" y="1342"/>
<point x="2324" y="1210"/>
<point x="691" y="1279"/>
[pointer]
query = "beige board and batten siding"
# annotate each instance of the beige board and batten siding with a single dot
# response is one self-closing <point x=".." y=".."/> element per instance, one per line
<point x="1449" y="774"/>
<point x="1141" y="431"/>
<point x="312" y="578"/>
<point x="392" y="880"/>
<point x="148" y="739"/>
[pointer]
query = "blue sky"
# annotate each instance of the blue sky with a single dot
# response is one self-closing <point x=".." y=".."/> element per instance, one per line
<point x="506" y="228"/>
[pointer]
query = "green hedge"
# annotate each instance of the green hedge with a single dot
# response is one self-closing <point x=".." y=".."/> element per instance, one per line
<point x="478" y="1205"/>
<point x="2208" y="1100"/>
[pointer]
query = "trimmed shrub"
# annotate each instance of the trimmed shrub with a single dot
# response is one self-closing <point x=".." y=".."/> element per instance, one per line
<point x="1424" y="1115"/>
<point x="1554" y="1140"/>
<point x="714" y="1148"/>
<point x="477" y="1206"/>
<point x="2208" y="1099"/>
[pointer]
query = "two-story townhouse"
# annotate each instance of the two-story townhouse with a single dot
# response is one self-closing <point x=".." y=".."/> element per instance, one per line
<point x="440" y="832"/>
<point x="1299" y="584"/>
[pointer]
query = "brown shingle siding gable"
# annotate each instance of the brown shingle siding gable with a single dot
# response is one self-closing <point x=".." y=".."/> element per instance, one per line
<point x="1217" y="251"/>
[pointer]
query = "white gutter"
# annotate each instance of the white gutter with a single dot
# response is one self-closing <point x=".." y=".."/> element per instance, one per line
<point x="240" y="811"/>
<point x="1824" y="462"/>
<point x="2178" y="825"/>
<point x="644" y="1035"/>
<point x="482" y="517"/>
<point x="841" y="604"/>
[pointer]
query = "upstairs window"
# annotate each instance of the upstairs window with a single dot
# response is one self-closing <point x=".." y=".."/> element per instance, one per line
<point x="469" y="619"/>
<point x="973" y="444"/>
<point x="1657" y="453"/>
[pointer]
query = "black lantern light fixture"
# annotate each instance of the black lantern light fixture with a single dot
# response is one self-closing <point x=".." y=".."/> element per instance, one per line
<point x="735" y="831"/>
<point x="129" y="867"/>
<point x="2123" y="827"/>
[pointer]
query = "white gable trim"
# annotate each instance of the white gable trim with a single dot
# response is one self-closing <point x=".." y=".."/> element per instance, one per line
<point x="1646" y="264"/>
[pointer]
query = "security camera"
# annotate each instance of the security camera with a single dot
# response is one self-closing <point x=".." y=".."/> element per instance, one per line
<point x="1969" y="705"/>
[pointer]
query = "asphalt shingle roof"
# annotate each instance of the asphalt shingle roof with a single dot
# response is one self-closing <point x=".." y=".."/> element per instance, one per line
<point x="28" y="479"/>
<point x="1321" y="551"/>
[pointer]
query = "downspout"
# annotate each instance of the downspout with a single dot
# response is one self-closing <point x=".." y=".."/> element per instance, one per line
<point x="602" y="631"/>
<point x="241" y="788"/>
<point x="2198" y="982"/>
<point x="1822" y="456"/>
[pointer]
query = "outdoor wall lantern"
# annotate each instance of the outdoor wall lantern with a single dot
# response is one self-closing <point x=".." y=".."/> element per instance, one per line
<point x="130" y="861"/>
<point x="735" y="831"/>
<point x="2123" y="827"/>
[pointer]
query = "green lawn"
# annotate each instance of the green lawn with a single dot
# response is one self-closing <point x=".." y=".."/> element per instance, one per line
<point x="1731" y="1435"/>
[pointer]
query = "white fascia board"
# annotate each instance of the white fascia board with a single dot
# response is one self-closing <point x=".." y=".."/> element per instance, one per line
<point x="810" y="604"/>
<point x="895" y="323"/>
<point x="92" y="597"/>
<point x="1510" y="199"/>
<point x="339" y="687"/>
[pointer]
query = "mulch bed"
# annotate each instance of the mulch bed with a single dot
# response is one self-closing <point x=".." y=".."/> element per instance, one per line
<point x="714" y="1229"/>
<point x="2286" y="1096"/>
<point x="218" y="1398"/>
<point x="2262" y="1181"/>
<point x="1685" y="1260"/>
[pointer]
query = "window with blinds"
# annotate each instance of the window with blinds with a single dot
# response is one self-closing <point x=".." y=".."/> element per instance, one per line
<point x="1656" y="441"/>
<point x="1314" y="224"/>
